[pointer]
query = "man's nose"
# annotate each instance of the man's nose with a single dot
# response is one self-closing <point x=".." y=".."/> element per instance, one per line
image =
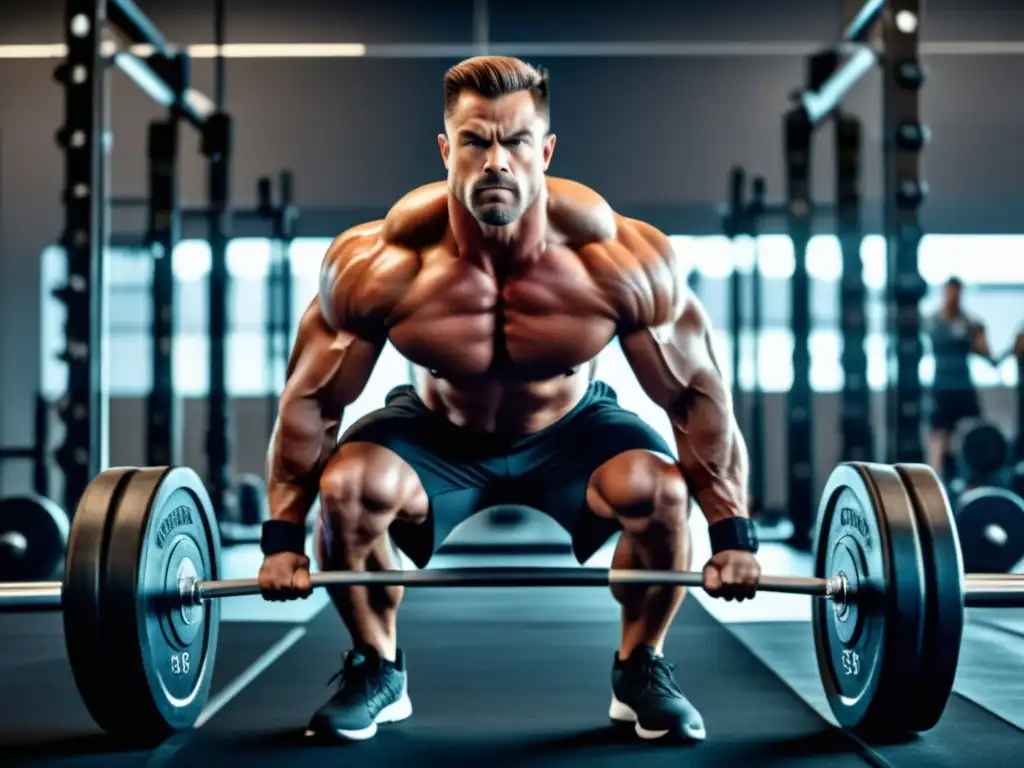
<point x="497" y="159"/>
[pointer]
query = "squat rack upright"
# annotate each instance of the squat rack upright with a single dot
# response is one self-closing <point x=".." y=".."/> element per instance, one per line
<point x="84" y="138"/>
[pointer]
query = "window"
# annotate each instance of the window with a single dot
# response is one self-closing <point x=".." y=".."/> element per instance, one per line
<point x="990" y="266"/>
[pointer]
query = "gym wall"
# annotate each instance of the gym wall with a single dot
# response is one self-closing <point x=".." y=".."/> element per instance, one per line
<point x="655" y="134"/>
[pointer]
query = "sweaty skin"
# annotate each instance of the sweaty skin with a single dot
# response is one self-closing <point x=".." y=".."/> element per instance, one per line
<point x="496" y="337"/>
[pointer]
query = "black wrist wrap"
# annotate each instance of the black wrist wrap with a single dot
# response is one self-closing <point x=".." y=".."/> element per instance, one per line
<point x="733" y="533"/>
<point x="283" y="536"/>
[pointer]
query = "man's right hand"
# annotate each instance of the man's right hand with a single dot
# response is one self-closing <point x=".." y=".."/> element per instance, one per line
<point x="285" y="576"/>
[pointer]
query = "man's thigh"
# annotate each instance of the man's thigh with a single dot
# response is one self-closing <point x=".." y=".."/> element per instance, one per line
<point x="452" y="471"/>
<point x="554" y="472"/>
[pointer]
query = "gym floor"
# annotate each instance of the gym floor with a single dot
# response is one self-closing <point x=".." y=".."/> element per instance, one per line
<point x="517" y="677"/>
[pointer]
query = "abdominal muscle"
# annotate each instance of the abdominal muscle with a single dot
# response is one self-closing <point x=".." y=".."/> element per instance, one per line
<point x="503" y="405"/>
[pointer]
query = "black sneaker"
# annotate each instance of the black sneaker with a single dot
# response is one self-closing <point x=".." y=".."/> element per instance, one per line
<point x="371" y="690"/>
<point x="645" y="695"/>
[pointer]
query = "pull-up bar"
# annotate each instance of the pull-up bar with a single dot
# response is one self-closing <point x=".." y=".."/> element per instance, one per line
<point x="857" y="30"/>
<point x="165" y="76"/>
<point x="818" y="105"/>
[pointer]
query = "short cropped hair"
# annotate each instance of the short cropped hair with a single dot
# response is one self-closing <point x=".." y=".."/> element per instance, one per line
<point x="496" y="76"/>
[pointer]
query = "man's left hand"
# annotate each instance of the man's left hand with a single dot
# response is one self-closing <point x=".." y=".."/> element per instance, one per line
<point x="732" y="574"/>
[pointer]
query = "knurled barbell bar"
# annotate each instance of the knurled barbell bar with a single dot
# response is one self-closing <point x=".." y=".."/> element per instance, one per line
<point x="143" y="563"/>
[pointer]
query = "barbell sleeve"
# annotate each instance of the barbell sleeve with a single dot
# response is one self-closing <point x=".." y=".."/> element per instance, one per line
<point x="514" y="577"/>
<point x="30" y="597"/>
<point x="994" y="591"/>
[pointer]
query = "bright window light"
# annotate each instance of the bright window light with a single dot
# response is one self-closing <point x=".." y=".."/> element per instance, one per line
<point x="306" y="254"/>
<point x="826" y="371"/>
<point x="713" y="256"/>
<point x="744" y="250"/>
<point x="872" y="256"/>
<point x="775" y="255"/>
<point x="824" y="258"/>
<point x="776" y="360"/>
<point x="249" y="257"/>
<point x="989" y="259"/>
<point x="192" y="260"/>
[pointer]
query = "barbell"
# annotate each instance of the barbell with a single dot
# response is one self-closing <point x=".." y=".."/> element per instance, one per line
<point x="142" y="578"/>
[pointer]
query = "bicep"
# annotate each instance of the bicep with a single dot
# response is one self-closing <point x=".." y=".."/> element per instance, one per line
<point x="328" y="368"/>
<point x="671" y="359"/>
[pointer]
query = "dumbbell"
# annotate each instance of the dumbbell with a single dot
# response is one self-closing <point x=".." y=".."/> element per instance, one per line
<point x="33" y="538"/>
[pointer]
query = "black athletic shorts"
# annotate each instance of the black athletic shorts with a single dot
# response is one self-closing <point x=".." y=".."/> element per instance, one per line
<point x="464" y="471"/>
<point x="950" y="406"/>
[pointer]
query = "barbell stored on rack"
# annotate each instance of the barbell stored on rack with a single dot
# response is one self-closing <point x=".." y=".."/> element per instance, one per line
<point x="143" y="574"/>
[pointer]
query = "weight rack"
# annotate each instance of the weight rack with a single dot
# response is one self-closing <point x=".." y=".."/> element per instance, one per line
<point x="84" y="139"/>
<point x="903" y="138"/>
<point x="38" y="452"/>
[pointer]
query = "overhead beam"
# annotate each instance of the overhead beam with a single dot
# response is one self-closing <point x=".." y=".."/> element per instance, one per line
<point x="165" y="75"/>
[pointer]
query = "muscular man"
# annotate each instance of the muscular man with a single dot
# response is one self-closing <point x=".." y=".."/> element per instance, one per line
<point x="954" y="338"/>
<point x="502" y="286"/>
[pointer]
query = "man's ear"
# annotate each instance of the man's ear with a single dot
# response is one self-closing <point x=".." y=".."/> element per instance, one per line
<point x="445" y="146"/>
<point x="548" y="149"/>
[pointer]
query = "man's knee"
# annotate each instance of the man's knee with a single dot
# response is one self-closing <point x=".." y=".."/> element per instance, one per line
<point x="363" y="488"/>
<point x="644" y="490"/>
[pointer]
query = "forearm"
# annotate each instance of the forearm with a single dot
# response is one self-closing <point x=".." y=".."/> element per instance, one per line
<point x="712" y="451"/>
<point x="300" y="446"/>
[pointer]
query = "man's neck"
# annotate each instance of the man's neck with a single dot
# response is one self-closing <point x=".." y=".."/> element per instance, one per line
<point x="514" y="243"/>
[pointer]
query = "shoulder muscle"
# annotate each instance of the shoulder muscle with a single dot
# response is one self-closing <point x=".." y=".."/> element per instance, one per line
<point x="644" y="274"/>
<point x="362" y="277"/>
<point x="579" y="213"/>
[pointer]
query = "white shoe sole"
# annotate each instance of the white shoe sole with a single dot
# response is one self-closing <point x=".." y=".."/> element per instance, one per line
<point x="623" y="713"/>
<point x="392" y="713"/>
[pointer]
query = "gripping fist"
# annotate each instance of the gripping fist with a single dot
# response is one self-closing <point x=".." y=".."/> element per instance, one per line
<point x="285" y="576"/>
<point x="732" y="574"/>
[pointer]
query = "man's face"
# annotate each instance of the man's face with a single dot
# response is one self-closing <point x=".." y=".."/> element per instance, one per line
<point x="953" y="294"/>
<point x="496" y="152"/>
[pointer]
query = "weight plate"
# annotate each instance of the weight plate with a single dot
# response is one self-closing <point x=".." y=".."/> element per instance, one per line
<point x="982" y="449"/>
<point x="944" y="607"/>
<point x="253" y="506"/>
<point x="990" y="522"/>
<point x="866" y="522"/>
<point x="158" y="528"/>
<point x="33" y="538"/>
<point x="164" y="520"/>
<point x="1017" y="478"/>
<point x="81" y="599"/>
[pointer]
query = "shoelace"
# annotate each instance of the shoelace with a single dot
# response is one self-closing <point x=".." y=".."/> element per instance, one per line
<point x="658" y="674"/>
<point x="351" y="672"/>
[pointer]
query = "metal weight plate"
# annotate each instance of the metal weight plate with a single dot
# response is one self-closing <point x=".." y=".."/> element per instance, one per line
<point x="869" y="649"/>
<point x="990" y="522"/>
<point x="33" y="538"/>
<point x="944" y="607"/>
<point x="81" y="599"/>
<point x="1017" y="478"/>
<point x="982" y="449"/>
<point x="159" y="528"/>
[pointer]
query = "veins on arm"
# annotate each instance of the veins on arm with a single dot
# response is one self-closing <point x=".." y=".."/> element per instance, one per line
<point x="666" y="336"/>
<point x="339" y="340"/>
